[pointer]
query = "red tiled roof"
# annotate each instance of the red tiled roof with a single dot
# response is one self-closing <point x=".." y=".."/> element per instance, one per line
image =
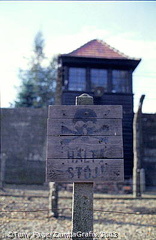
<point x="97" y="49"/>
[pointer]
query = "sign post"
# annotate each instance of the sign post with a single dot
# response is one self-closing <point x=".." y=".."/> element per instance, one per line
<point x="82" y="209"/>
<point x="84" y="146"/>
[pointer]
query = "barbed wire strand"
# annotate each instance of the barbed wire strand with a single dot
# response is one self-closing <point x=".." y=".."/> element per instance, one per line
<point x="95" y="210"/>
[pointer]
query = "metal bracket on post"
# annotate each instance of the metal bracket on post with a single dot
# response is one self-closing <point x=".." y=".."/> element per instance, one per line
<point x="82" y="209"/>
<point x="84" y="99"/>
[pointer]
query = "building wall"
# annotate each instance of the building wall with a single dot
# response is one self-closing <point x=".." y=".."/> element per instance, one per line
<point x="23" y="145"/>
<point x="149" y="148"/>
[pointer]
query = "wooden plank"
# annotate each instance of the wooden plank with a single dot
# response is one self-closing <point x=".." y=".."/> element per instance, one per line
<point x="96" y="111"/>
<point x="97" y="127"/>
<point x="87" y="170"/>
<point x="85" y="147"/>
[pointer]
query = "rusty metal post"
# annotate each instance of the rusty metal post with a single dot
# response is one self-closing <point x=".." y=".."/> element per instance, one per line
<point x="82" y="209"/>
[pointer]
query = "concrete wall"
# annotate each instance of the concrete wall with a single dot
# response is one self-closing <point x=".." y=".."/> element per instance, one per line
<point x="149" y="148"/>
<point x="23" y="146"/>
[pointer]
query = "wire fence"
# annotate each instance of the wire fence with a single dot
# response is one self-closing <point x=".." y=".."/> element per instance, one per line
<point x="43" y="214"/>
<point x="95" y="210"/>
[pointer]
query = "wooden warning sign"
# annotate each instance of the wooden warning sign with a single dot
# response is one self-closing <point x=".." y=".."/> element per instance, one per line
<point x="84" y="143"/>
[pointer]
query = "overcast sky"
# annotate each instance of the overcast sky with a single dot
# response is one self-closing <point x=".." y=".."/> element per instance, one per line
<point x="127" y="26"/>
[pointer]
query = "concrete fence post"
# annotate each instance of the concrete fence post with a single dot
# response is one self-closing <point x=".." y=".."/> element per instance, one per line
<point x="53" y="199"/>
<point x="53" y="186"/>
<point x="137" y="144"/>
<point x="2" y="172"/>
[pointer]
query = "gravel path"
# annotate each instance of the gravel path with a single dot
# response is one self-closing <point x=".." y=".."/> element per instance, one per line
<point x="123" y="219"/>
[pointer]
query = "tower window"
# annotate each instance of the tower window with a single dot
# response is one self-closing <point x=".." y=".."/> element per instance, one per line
<point x="98" y="78"/>
<point x="77" y="79"/>
<point x="120" y="81"/>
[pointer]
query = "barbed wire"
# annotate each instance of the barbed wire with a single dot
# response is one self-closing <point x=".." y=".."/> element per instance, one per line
<point x="95" y="210"/>
<point x="126" y="182"/>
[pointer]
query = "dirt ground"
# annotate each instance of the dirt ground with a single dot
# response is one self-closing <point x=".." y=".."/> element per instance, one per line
<point x="24" y="215"/>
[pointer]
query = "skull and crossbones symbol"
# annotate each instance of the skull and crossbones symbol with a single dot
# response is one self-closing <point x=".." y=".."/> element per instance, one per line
<point x="85" y="122"/>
